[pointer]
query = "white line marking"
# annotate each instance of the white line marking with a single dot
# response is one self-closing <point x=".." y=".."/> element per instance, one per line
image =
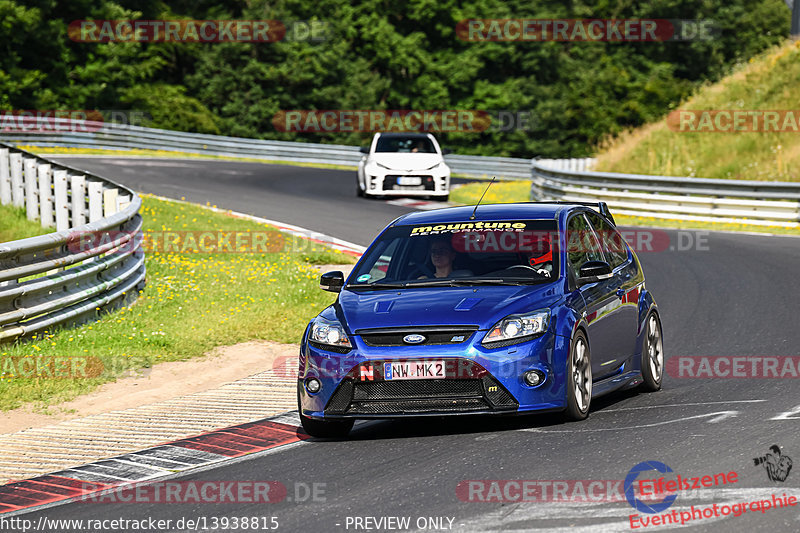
<point x="654" y="424"/>
<point x="788" y="414"/>
<point x="675" y="405"/>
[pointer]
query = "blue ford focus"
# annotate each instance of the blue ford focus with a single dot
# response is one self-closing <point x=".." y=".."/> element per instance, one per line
<point x="498" y="309"/>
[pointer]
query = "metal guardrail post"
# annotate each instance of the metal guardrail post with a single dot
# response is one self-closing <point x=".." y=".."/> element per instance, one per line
<point x="59" y="279"/>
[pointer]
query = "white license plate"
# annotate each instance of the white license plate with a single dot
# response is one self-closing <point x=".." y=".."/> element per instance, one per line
<point x="409" y="180"/>
<point x="414" y="370"/>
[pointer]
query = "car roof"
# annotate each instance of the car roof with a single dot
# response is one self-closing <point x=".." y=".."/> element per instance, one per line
<point x="526" y="211"/>
<point x="404" y="135"/>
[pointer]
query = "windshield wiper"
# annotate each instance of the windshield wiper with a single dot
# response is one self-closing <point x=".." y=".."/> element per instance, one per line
<point x="461" y="282"/>
<point x="375" y="286"/>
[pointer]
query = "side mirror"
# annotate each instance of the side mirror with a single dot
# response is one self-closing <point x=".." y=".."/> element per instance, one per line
<point x="332" y="281"/>
<point x="446" y="151"/>
<point x="364" y="149"/>
<point x="592" y="271"/>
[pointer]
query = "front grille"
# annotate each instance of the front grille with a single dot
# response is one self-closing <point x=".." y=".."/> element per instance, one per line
<point x="444" y="405"/>
<point x="357" y="396"/>
<point x="433" y="335"/>
<point x="390" y="183"/>
<point x="422" y="388"/>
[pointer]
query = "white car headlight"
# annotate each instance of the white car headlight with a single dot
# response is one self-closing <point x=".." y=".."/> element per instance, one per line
<point x="518" y="327"/>
<point x="329" y="333"/>
<point x="437" y="166"/>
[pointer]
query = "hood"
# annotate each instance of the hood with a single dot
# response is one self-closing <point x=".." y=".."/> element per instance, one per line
<point x="406" y="161"/>
<point x="482" y="306"/>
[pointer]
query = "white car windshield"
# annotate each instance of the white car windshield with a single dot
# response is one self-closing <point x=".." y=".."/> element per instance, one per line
<point x="405" y="144"/>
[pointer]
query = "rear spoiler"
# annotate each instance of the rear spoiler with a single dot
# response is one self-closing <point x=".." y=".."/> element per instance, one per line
<point x="601" y="207"/>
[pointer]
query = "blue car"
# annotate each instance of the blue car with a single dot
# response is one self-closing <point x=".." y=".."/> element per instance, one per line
<point x="498" y="309"/>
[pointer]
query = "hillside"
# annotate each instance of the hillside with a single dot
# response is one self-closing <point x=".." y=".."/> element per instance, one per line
<point x="374" y="55"/>
<point x="766" y="94"/>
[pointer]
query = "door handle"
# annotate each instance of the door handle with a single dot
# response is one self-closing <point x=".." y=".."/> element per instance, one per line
<point x="621" y="293"/>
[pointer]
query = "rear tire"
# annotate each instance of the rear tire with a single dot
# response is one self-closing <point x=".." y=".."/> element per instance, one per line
<point x="579" y="379"/>
<point x="652" y="354"/>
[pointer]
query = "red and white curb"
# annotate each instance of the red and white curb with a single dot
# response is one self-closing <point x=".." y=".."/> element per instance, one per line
<point x="152" y="463"/>
<point x="422" y="205"/>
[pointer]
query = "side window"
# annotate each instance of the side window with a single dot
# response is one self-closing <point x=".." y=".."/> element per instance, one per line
<point x="381" y="266"/>
<point x="582" y="243"/>
<point x="611" y="241"/>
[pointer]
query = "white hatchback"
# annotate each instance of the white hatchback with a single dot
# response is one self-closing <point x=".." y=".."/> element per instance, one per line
<point x="404" y="164"/>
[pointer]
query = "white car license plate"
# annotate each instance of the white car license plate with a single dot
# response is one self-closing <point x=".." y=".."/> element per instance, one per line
<point x="409" y="180"/>
<point x="414" y="370"/>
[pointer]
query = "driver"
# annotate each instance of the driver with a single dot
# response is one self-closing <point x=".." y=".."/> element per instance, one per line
<point x="442" y="256"/>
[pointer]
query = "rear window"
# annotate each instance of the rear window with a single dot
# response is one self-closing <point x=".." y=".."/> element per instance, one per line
<point x="476" y="252"/>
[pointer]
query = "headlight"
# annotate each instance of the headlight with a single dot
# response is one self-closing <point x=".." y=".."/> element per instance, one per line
<point x="437" y="166"/>
<point x="518" y="327"/>
<point x="329" y="333"/>
<point x="383" y="166"/>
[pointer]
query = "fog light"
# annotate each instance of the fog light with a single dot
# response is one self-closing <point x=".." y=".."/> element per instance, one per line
<point x="533" y="377"/>
<point x="313" y="385"/>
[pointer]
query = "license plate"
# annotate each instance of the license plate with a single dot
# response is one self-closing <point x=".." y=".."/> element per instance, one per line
<point x="414" y="370"/>
<point x="409" y="180"/>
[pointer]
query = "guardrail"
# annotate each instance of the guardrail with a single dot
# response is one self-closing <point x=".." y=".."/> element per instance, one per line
<point x="63" y="278"/>
<point x="123" y="137"/>
<point x="765" y="203"/>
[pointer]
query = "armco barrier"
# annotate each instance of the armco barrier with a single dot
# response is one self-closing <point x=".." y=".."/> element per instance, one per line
<point x="49" y="280"/>
<point x="123" y="137"/>
<point x="751" y="202"/>
<point x="765" y="203"/>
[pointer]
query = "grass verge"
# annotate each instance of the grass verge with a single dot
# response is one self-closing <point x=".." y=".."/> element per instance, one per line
<point x="768" y="82"/>
<point x="193" y="302"/>
<point x="14" y="224"/>
<point x="519" y="191"/>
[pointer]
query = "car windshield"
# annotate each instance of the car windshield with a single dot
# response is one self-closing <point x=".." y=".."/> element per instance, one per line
<point x="410" y="144"/>
<point x="509" y="252"/>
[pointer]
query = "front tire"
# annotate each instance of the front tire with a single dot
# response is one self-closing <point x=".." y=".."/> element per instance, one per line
<point x="579" y="379"/>
<point x="324" y="429"/>
<point x="652" y="354"/>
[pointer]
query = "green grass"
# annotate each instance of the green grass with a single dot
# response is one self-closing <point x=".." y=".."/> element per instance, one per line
<point x="519" y="191"/>
<point x="770" y="81"/>
<point x="192" y="303"/>
<point x="15" y="225"/>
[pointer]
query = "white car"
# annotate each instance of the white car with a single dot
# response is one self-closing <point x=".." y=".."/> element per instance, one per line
<point x="404" y="164"/>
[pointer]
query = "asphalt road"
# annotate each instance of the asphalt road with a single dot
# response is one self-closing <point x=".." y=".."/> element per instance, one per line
<point x="719" y="295"/>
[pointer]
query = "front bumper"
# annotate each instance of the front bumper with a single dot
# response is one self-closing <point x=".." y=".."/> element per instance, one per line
<point x="385" y="183"/>
<point x="477" y="381"/>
